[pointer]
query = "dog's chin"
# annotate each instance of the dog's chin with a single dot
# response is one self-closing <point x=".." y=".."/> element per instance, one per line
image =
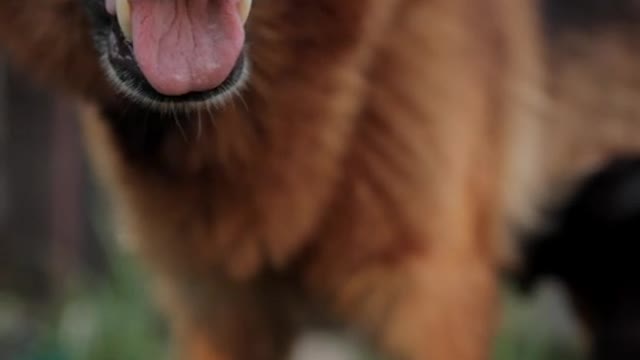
<point x="122" y="70"/>
<point x="135" y="88"/>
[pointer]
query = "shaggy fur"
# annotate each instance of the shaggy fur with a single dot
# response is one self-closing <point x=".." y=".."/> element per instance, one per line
<point x="368" y="173"/>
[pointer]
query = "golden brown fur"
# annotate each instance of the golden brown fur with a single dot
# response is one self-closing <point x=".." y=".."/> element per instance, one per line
<point x="369" y="172"/>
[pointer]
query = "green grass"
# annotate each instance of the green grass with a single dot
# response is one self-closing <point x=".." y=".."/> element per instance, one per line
<point x="112" y="321"/>
<point x="111" y="318"/>
<point x="527" y="335"/>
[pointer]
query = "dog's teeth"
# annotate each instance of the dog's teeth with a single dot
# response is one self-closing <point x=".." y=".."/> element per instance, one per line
<point x="244" y="8"/>
<point x="123" y="12"/>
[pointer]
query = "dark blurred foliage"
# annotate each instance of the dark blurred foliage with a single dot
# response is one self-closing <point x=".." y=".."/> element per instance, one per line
<point x="65" y="293"/>
<point x="44" y="193"/>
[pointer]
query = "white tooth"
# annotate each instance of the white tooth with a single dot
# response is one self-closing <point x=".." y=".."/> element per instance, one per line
<point x="123" y="11"/>
<point x="244" y="8"/>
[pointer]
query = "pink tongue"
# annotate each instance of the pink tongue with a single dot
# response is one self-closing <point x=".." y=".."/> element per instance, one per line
<point x="185" y="46"/>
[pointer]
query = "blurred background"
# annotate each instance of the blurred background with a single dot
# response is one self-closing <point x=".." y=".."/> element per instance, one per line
<point x="67" y="292"/>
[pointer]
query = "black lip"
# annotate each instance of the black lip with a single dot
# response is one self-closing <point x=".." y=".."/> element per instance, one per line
<point x="119" y="53"/>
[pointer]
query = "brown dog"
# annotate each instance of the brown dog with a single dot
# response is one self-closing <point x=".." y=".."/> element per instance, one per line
<point x="361" y="161"/>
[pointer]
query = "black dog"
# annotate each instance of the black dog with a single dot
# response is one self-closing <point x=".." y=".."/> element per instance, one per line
<point x="593" y="249"/>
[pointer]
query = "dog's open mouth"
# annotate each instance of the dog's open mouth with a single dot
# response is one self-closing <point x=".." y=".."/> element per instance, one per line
<point x="177" y="50"/>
